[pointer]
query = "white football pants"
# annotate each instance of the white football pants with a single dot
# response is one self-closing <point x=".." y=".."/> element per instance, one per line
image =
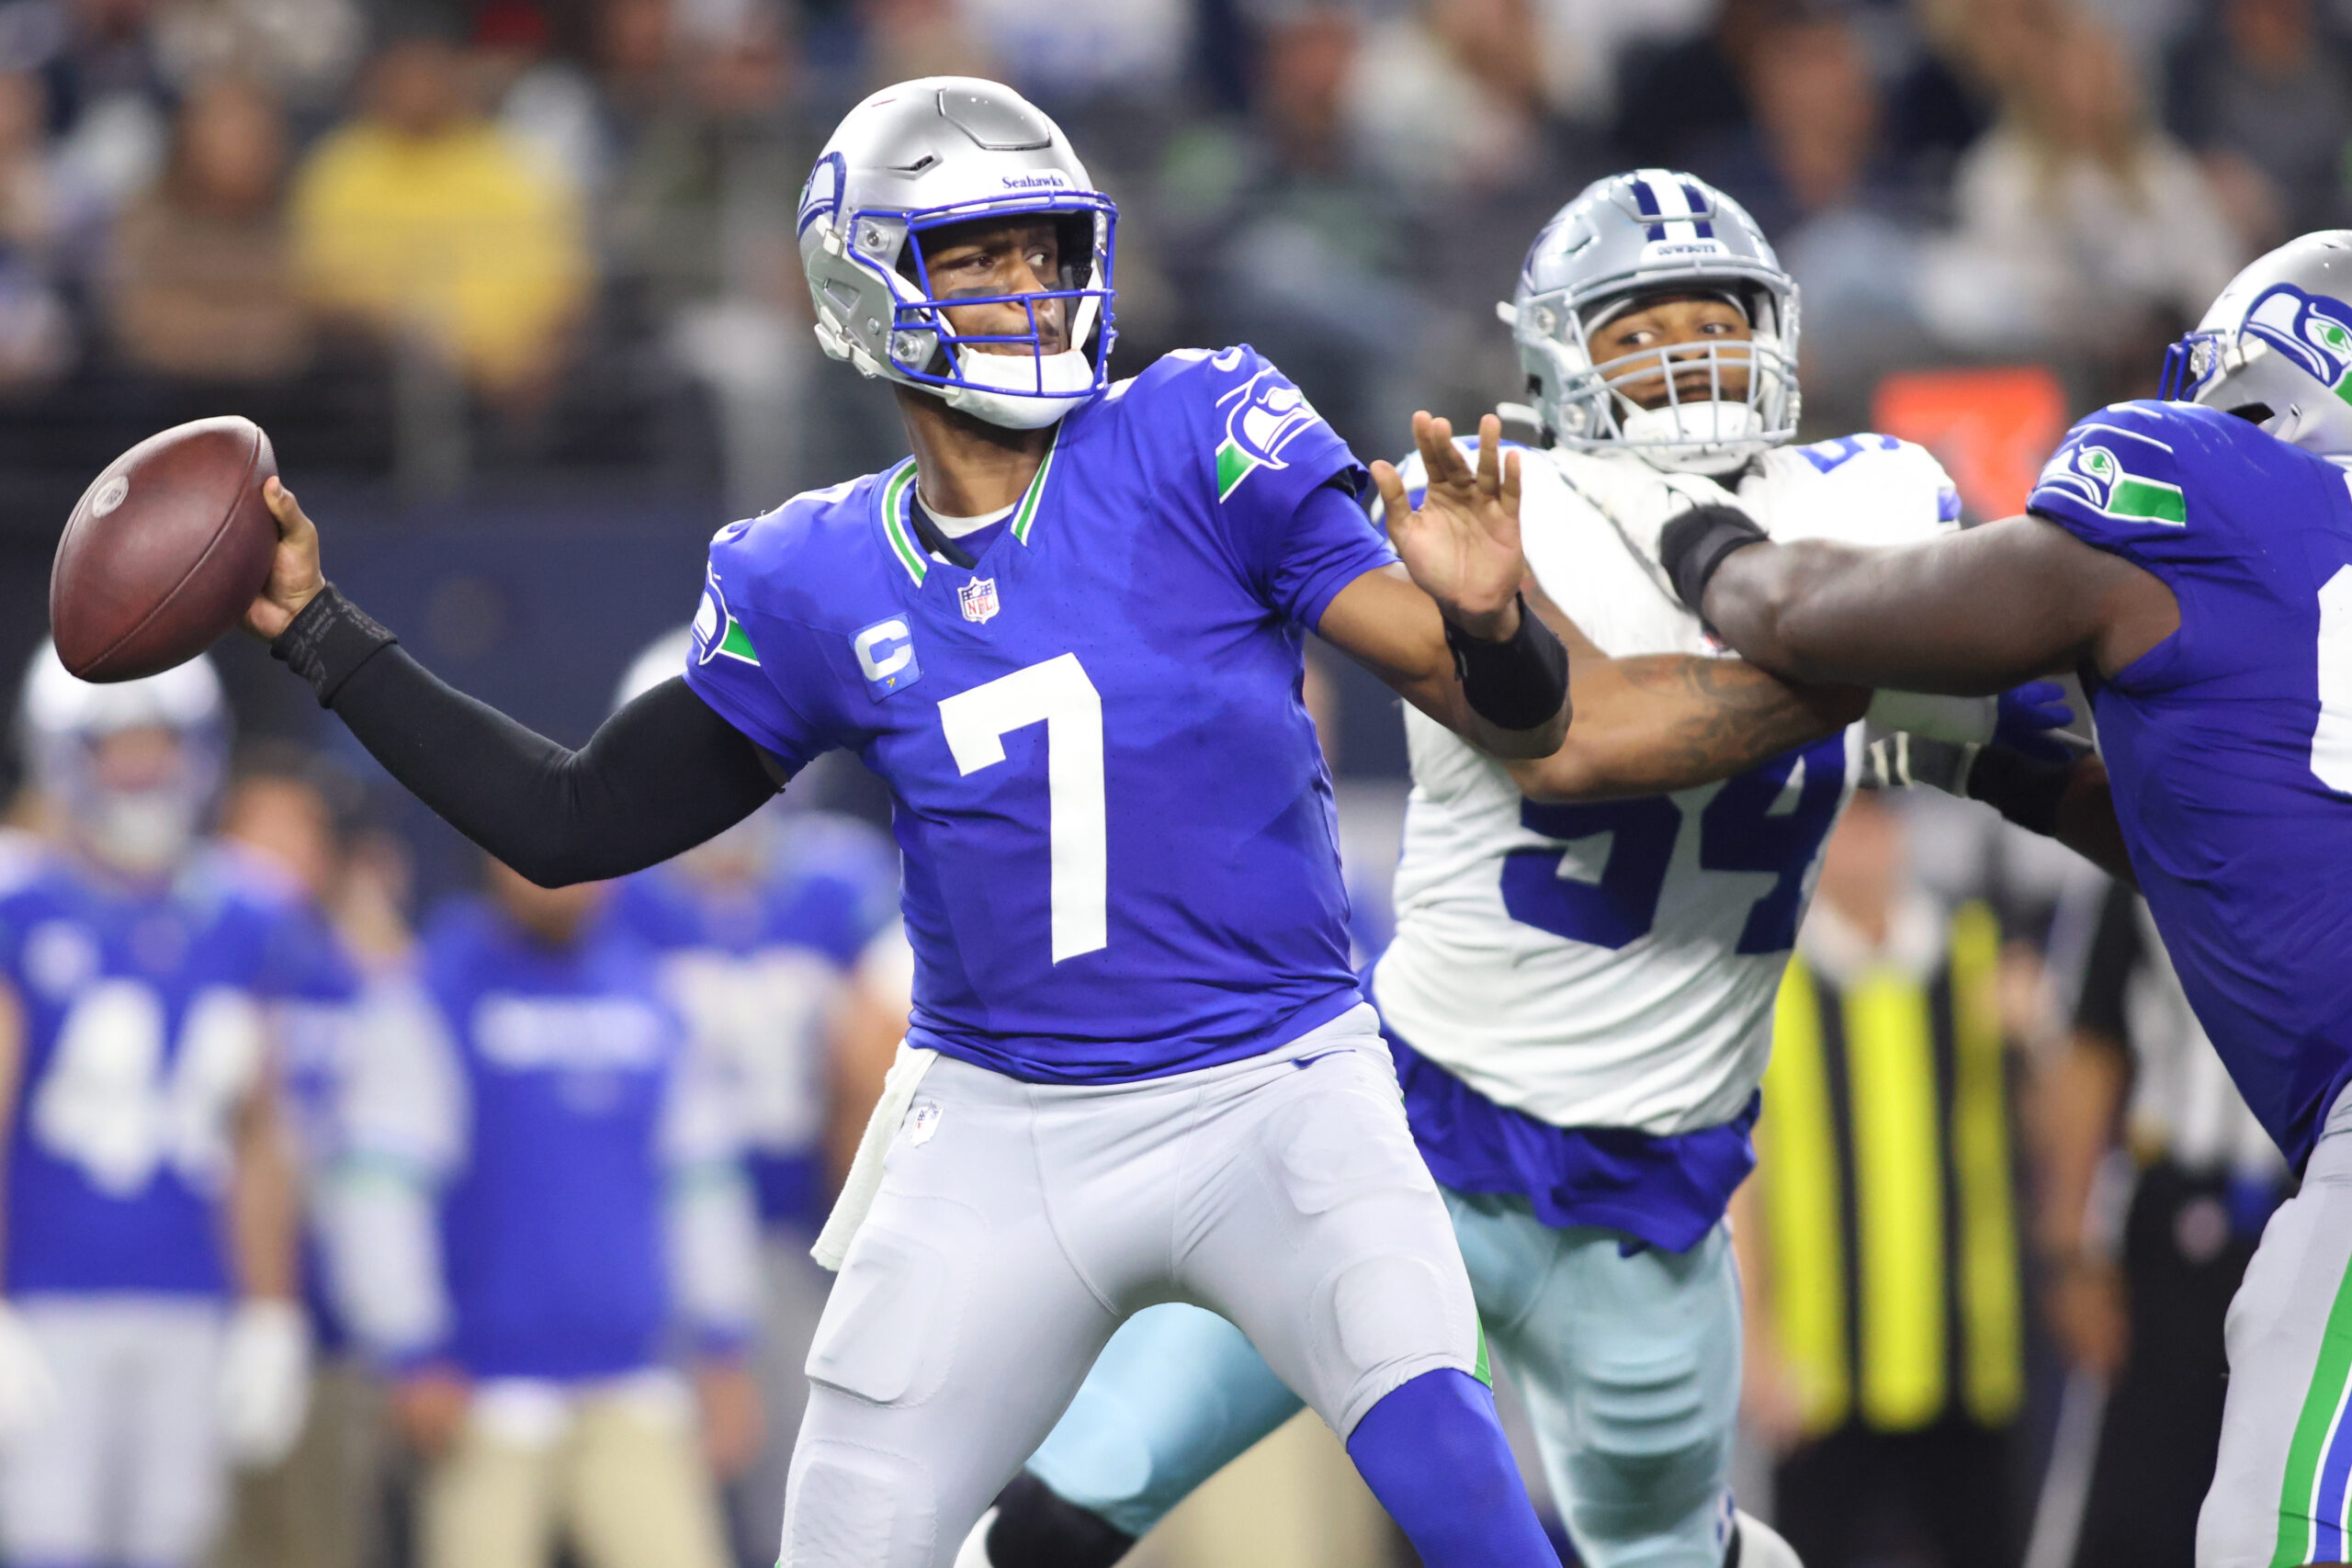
<point x="130" y="1470"/>
<point x="1018" y="1224"/>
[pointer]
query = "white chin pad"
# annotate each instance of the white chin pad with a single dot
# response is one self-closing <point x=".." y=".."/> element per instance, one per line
<point x="1021" y="391"/>
<point x="1693" y="435"/>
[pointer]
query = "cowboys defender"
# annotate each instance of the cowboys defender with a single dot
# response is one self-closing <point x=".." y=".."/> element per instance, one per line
<point x="1579" y="997"/>
<point x="2193" y="557"/>
<point x="1066" y="632"/>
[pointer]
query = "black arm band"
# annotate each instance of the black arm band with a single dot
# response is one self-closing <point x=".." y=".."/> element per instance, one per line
<point x="1518" y="684"/>
<point x="1692" y="545"/>
<point x="331" y="638"/>
<point x="663" y="775"/>
<point x="2024" y="789"/>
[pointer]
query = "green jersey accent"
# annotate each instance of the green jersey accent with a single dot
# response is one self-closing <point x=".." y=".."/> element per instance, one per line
<point x="1233" y="466"/>
<point x="1027" y="514"/>
<point x="2147" y="501"/>
<point x="894" y="520"/>
<point x="737" y="643"/>
<point x="897" y="497"/>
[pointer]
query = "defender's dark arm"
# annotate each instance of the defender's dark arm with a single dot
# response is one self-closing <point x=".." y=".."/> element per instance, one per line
<point x="1657" y="723"/>
<point x="1972" y="613"/>
<point x="663" y="775"/>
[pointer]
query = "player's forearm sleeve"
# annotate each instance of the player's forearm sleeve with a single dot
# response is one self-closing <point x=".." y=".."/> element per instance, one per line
<point x="1518" y="684"/>
<point x="664" y="775"/>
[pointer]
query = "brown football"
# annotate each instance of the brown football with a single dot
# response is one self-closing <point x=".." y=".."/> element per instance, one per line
<point x="165" y="551"/>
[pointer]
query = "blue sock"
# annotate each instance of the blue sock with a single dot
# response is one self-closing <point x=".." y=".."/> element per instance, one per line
<point x="1433" y="1453"/>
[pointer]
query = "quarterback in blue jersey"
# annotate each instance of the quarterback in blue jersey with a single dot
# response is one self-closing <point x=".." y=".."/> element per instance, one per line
<point x="1067" y="633"/>
<point x="151" y="1331"/>
<point x="2193" y="557"/>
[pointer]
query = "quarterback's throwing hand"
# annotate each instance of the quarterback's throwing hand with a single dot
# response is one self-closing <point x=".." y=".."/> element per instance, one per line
<point x="1462" y="543"/>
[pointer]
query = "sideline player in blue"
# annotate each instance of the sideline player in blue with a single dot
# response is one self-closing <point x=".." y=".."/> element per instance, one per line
<point x="149" y="1218"/>
<point x="2193" y="557"/>
<point x="1068" y="633"/>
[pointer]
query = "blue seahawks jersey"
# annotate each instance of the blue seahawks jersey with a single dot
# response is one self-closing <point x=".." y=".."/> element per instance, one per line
<point x="756" y="968"/>
<point x="551" y="1225"/>
<point x="1119" y="851"/>
<point x="145" y="1025"/>
<point x="2229" y="743"/>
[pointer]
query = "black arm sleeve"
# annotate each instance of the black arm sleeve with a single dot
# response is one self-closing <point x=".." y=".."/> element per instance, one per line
<point x="663" y="775"/>
<point x="1518" y="684"/>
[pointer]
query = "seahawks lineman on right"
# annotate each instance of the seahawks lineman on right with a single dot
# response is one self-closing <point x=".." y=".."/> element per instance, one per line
<point x="151" y="1334"/>
<point x="2193" y="556"/>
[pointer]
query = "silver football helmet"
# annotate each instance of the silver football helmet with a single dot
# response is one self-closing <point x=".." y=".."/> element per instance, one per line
<point x="2276" y="345"/>
<point x="1648" y="233"/>
<point x="143" y="829"/>
<point x="940" y="151"/>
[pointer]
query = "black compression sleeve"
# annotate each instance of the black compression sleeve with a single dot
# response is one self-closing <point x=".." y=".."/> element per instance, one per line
<point x="1515" y="684"/>
<point x="661" y="775"/>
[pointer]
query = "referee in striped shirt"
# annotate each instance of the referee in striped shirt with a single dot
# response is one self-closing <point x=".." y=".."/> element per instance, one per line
<point x="1879" y="1236"/>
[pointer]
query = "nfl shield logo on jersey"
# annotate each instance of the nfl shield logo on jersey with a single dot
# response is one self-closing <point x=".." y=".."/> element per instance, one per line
<point x="979" y="599"/>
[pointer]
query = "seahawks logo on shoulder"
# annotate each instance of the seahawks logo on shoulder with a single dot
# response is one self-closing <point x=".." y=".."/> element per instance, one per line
<point x="2314" y="333"/>
<point x="718" y="634"/>
<point x="2092" y="472"/>
<point x="1266" y="414"/>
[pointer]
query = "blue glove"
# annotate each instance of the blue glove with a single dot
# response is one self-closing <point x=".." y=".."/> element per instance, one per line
<point x="2026" y="716"/>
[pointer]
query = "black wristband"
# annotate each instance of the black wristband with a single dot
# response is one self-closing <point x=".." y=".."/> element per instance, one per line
<point x="329" y="640"/>
<point x="1518" y="684"/>
<point x="2024" y="789"/>
<point x="1692" y="545"/>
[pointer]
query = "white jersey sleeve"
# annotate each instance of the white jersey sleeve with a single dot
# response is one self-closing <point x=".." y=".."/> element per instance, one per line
<point x="1615" y="964"/>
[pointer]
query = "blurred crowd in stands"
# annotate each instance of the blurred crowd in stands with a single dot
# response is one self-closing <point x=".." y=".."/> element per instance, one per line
<point x="440" y="240"/>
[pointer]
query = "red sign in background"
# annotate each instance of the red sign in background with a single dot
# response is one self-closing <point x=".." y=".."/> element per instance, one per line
<point x="1992" y="429"/>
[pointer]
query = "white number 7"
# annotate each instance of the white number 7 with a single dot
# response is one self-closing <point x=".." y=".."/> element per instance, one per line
<point x="1057" y="694"/>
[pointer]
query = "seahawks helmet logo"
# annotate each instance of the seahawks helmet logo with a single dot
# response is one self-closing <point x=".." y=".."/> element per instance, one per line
<point x="2315" y="332"/>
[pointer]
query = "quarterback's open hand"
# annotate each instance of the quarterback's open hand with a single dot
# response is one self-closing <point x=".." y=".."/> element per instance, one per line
<point x="1462" y="543"/>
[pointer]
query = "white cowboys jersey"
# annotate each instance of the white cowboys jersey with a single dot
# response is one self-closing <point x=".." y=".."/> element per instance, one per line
<point x="1615" y="964"/>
